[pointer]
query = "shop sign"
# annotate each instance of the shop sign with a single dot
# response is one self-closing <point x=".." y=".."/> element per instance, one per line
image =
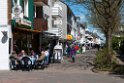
<point x="69" y="37"/>
<point x="16" y="10"/>
<point x="26" y="22"/>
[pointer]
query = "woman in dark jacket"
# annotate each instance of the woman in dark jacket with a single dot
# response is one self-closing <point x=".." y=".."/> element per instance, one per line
<point x="73" y="53"/>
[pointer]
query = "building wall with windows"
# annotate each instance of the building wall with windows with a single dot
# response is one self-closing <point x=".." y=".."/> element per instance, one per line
<point x="82" y="33"/>
<point x="63" y="19"/>
<point x="74" y="30"/>
<point x="26" y="16"/>
<point x="54" y="13"/>
<point x="48" y="13"/>
<point x="24" y="33"/>
<point x="72" y="24"/>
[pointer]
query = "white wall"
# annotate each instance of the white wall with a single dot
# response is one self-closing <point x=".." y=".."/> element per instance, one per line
<point x="4" y="42"/>
<point x="98" y="41"/>
<point x="82" y="31"/>
<point x="4" y="50"/>
<point x="74" y="30"/>
<point x="48" y="11"/>
<point x="63" y="26"/>
<point x="3" y="12"/>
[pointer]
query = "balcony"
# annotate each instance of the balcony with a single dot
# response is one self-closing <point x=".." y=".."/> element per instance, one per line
<point x="40" y="24"/>
<point x="41" y="2"/>
<point x="56" y="12"/>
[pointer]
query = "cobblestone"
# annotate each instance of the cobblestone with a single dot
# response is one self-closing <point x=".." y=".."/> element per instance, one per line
<point x="66" y="72"/>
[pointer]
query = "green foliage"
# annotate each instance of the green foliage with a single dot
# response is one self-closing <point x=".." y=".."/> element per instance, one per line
<point x="122" y="46"/>
<point x="115" y="43"/>
<point x="103" y="61"/>
<point x="118" y="69"/>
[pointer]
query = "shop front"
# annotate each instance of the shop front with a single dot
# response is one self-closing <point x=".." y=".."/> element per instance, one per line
<point x="25" y="39"/>
<point x="49" y="40"/>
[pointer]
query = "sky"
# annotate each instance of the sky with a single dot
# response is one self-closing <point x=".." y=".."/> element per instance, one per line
<point x="83" y="13"/>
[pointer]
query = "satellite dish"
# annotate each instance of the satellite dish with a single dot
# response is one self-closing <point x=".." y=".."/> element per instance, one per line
<point x="16" y="10"/>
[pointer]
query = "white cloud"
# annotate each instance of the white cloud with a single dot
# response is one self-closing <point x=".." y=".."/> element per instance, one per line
<point x="82" y="17"/>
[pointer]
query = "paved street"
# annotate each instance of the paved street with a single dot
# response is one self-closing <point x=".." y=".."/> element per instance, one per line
<point x="66" y="72"/>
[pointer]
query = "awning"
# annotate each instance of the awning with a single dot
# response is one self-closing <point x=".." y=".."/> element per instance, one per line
<point x="49" y="35"/>
<point x="26" y="30"/>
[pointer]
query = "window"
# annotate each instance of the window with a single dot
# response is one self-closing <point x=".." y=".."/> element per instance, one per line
<point x="39" y="11"/>
<point x="53" y="24"/>
<point x="26" y="8"/>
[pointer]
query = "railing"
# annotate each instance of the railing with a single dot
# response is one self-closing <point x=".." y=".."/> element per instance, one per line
<point x="40" y="24"/>
<point x="56" y="11"/>
<point x="44" y="1"/>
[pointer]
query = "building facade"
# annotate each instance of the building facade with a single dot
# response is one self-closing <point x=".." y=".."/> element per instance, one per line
<point x="24" y="33"/>
<point x="5" y="35"/>
<point x="72" y="25"/>
<point x="26" y="24"/>
<point x="81" y="35"/>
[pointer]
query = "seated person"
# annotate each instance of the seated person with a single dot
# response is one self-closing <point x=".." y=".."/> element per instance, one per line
<point x="14" y="60"/>
<point x="25" y="59"/>
<point x="41" y="58"/>
<point x="14" y="55"/>
<point x="33" y="57"/>
<point x="22" y="54"/>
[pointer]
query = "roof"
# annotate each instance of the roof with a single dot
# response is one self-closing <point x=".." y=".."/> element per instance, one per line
<point x="118" y="33"/>
<point x="93" y="34"/>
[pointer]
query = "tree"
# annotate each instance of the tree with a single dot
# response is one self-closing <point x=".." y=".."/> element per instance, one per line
<point x="105" y="15"/>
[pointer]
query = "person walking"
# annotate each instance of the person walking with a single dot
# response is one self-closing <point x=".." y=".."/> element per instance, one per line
<point x="46" y="53"/>
<point x="83" y="48"/>
<point x="73" y="53"/>
<point x="68" y="51"/>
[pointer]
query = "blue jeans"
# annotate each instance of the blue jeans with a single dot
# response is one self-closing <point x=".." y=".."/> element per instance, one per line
<point x="46" y="60"/>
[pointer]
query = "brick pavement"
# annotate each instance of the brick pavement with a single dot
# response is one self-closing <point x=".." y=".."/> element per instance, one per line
<point x="55" y="76"/>
<point x="56" y="73"/>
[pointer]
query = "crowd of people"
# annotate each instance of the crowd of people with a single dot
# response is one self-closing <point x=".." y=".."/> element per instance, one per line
<point x="29" y="60"/>
<point x="32" y="60"/>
